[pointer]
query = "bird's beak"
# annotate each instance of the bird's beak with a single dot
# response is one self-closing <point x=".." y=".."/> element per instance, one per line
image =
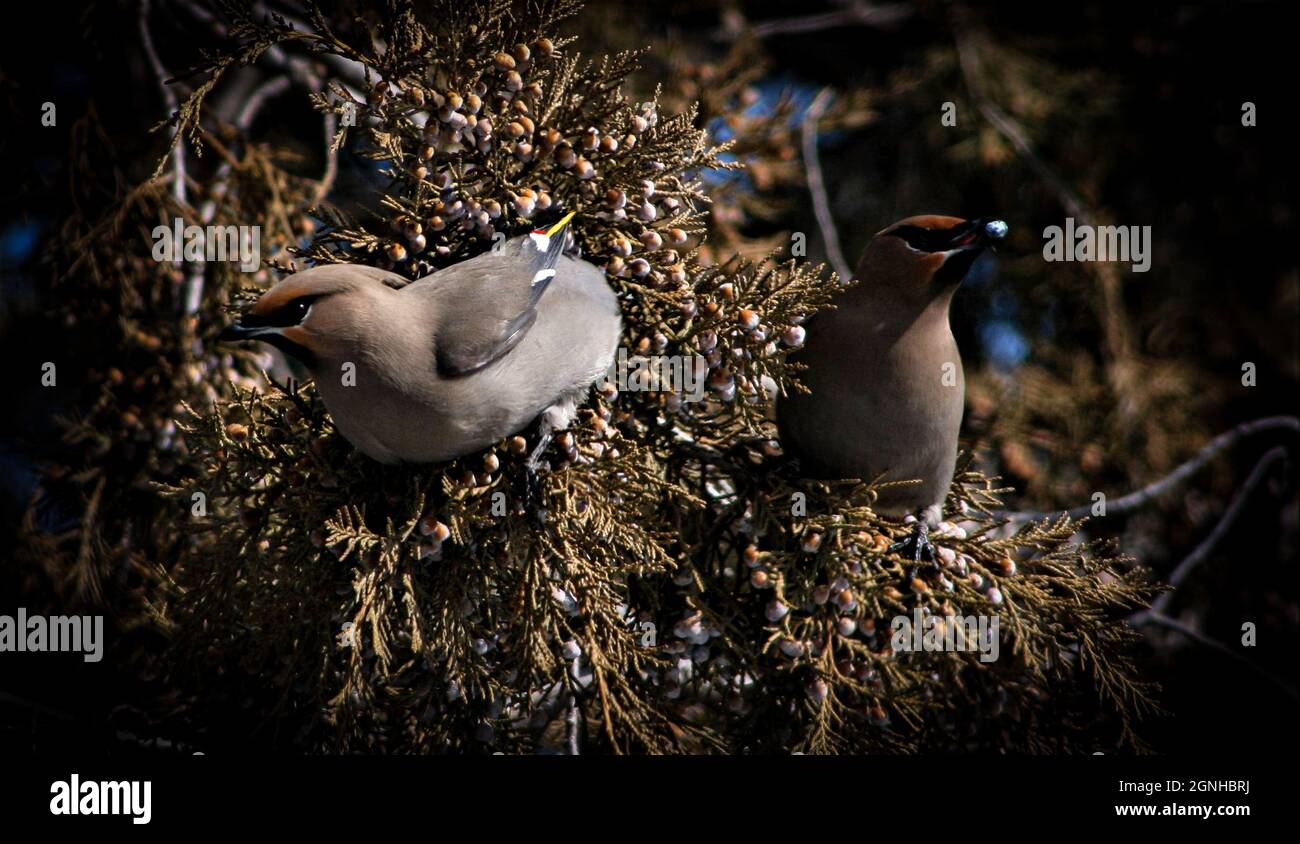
<point x="289" y="339"/>
<point x="979" y="234"/>
<point x="239" y="331"/>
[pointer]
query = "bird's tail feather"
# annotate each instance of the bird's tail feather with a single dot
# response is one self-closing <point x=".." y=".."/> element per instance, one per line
<point x="556" y="235"/>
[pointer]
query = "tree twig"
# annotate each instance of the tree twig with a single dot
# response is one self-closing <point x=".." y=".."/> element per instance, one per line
<point x="817" y="185"/>
<point x="1200" y="638"/>
<point x="10" y="698"/>
<point x="1134" y="500"/>
<point x="301" y="72"/>
<point x="1111" y="311"/>
<point x="1207" y="545"/>
<point x="268" y="90"/>
<point x="169" y="98"/>
<point x="857" y="13"/>
<point x="571" y="724"/>
<point x="1015" y="135"/>
<point x="191" y="293"/>
<point x="326" y="182"/>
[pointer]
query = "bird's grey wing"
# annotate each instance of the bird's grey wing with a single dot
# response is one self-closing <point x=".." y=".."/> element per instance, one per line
<point x="485" y="306"/>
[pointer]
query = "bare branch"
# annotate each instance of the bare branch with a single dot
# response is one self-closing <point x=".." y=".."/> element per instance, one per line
<point x="7" y="697"/>
<point x="817" y="185"/>
<point x="1118" y="341"/>
<point x="1134" y="500"/>
<point x="268" y="90"/>
<point x="1200" y="638"/>
<point x="571" y="724"/>
<point x="1207" y="545"/>
<point x="191" y="294"/>
<point x="301" y="72"/>
<point x="169" y="98"/>
<point x="855" y="14"/>
<point x="1015" y="135"/>
<point x="331" y="160"/>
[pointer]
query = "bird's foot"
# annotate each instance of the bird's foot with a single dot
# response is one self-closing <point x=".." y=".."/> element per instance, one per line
<point x="533" y="498"/>
<point x="917" y="547"/>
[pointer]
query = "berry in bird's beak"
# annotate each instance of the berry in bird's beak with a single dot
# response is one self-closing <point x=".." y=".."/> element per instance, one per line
<point x="995" y="229"/>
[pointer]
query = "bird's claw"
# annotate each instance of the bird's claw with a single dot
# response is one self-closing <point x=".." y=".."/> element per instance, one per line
<point x="533" y="497"/>
<point x="533" y="486"/>
<point x="917" y="546"/>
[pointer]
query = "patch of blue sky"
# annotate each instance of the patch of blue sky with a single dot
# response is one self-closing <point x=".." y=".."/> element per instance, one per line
<point x="770" y="92"/>
<point x="18" y="241"/>
<point x="1003" y="343"/>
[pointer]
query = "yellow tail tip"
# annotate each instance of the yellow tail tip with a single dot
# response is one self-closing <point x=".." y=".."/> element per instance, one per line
<point x="564" y="221"/>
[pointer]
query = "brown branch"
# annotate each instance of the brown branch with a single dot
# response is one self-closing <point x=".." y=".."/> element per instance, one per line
<point x="7" y="697"/>
<point x="1015" y="135"/>
<point x="327" y="178"/>
<point x="1134" y="500"/>
<point x="191" y="292"/>
<point x="352" y="72"/>
<point x="857" y="13"/>
<point x="817" y="185"/>
<point x="1207" y="545"/>
<point x="268" y="90"/>
<point x="1111" y="315"/>
<point x="571" y="724"/>
<point x="301" y="72"/>
<point x="169" y="98"/>
<point x="1200" y="638"/>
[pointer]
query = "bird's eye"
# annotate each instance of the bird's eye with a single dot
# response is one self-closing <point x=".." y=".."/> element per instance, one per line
<point x="922" y="240"/>
<point x="942" y="240"/>
<point x="293" y="313"/>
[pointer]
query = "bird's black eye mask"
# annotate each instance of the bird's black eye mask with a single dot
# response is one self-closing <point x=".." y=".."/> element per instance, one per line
<point x="290" y="313"/>
<point x="966" y="240"/>
<point x="255" y="327"/>
<point x="940" y="240"/>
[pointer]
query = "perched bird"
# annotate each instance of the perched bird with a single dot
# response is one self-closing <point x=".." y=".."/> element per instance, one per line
<point x="438" y="368"/>
<point x="886" y="377"/>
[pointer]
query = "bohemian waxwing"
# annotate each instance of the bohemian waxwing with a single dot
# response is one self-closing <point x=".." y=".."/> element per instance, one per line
<point x="449" y="364"/>
<point x="886" y="377"/>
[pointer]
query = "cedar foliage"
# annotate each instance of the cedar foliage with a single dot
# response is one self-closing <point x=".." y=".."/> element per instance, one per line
<point x="687" y="591"/>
